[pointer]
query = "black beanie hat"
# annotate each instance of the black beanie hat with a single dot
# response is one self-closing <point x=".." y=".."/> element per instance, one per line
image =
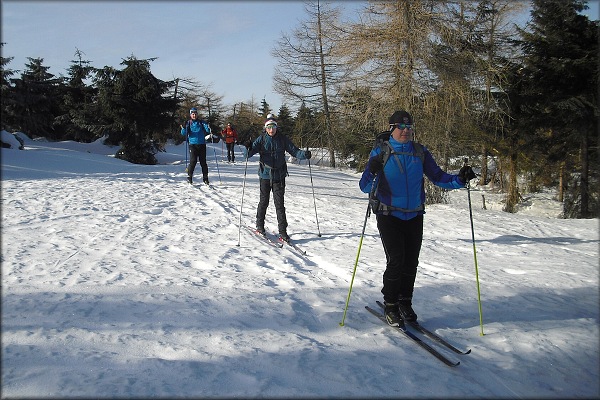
<point x="400" y="117"/>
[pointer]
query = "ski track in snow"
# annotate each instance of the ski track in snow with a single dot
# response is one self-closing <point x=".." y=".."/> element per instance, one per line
<point x="121" y="280"/>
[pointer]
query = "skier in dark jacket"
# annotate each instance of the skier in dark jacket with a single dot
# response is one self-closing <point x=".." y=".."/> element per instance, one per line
<point x="272" y="172"/>
<point x="396" y="168"/>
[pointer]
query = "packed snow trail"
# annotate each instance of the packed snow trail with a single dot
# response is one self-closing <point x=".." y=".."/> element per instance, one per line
<point x="122" y="280"/>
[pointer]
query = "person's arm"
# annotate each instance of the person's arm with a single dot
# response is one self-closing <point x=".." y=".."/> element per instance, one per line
<point x="295" y="151"/>
<point x="374" y="166"/>
<point x="252" y="147"/>
<point x="437" y="176"/>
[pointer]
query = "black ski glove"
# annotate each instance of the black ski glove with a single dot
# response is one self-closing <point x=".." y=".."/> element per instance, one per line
<point x="376" y="164"/>
<point x="466" y="174"/>
<point x="308" y="154"/>
<point x="248" y="144"/>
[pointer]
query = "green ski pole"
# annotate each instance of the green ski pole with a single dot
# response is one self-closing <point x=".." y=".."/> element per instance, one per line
<point x="468" y="186"/>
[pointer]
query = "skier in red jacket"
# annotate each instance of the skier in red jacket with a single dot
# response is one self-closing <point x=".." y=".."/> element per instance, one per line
<point x="230" y="136"/>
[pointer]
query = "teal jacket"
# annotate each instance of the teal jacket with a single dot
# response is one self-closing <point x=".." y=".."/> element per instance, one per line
<point x="196" y="131"/>
<point x="272" y="150"/>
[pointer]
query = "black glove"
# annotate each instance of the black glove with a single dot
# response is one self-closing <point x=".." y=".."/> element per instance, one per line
<point x="466" y="174"/>
<point x="248" y="144"/>
<point x="376" y="164"/>
<point x="308" y="154"/>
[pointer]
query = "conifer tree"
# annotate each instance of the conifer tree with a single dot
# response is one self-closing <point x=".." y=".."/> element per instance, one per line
<point x="36" y="99"/>
<point x="76" y="121"/>
<point x="135" y="112"/>
<point x="7" y="93"/>
<point x="285" y="121"/>
<point x="558" y="85"/>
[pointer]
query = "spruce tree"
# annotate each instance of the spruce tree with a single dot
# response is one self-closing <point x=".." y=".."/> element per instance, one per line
<point x="7" y="93"/>
<point x="285" y="121"/>
<point x="135" y="112"/>
<point x="79" y="112"/>
<point x="36" y="100"/>
<point x="558" y="90"/>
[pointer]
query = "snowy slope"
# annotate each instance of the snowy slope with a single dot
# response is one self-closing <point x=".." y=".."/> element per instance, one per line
<point x="122" y="280"/>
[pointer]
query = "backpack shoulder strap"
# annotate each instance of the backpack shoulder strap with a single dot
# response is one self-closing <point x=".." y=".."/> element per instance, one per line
<point x="419" y="152"/>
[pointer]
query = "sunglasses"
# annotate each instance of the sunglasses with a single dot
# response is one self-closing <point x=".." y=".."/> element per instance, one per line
<point x="403" y="126"/>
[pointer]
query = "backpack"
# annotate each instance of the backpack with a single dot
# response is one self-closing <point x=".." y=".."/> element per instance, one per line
<point x="383" y="141"/>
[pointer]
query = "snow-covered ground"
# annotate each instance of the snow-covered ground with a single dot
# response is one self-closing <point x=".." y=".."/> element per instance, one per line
<point x="122" y="280"/>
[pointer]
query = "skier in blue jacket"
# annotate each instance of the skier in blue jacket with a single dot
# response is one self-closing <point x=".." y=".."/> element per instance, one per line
<point x="196" y="131"/>
<point x="394" y="179"/>
<point x="272" y="172"/>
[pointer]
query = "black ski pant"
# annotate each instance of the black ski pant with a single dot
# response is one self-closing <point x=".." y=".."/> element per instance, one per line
<point x="402" y="244"/>
<point x="198" y="153"/>
<point x="278" y="189"/>
<point x="230" y="151"/>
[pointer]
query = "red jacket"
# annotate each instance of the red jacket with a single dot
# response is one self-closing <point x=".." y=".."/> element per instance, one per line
<point x="229" y="134"/>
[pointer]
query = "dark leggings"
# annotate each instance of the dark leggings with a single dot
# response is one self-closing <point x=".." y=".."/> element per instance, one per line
<point x="230" y="151"/>
<point x="402" y="245"/>
<point x="198" y="152"/>
<point x="278" y="188"/>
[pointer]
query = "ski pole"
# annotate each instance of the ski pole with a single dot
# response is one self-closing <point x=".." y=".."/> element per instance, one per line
<point x="362" y="235"/>
<point x="314" y="199"/>
<point x="374" y="185"/>
<point x="242" y="203"/>
<point x="468" y="186"/>
<point x="186" y="149"/>
<point x="217" y="161"/>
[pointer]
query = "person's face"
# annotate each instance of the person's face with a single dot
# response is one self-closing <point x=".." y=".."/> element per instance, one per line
<point x="193" y="115"/>
<point x="271" y="129"/>
<point x="402" y="132"/>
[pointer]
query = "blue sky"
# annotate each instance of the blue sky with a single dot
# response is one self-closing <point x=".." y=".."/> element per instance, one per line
<point x="226" y="44"/>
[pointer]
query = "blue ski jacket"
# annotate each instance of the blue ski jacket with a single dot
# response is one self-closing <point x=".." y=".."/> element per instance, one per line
<point x="197" y="131"/>
<point x="400" y="185"/>
<point x="272" y="150"/>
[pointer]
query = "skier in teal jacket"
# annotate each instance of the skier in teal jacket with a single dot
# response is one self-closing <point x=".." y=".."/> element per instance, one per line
<point x="272" y="172"/>
<point x="196" y="131"/>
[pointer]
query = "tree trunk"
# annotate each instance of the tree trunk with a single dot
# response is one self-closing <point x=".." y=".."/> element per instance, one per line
<point x="484" y="166"/>
<point x="561" y="183"/>
<point x="512" y="195"/>
<point x="585" y="198"/>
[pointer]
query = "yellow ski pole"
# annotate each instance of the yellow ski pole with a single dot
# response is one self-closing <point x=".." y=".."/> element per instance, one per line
<point x="362" y="235"/>
<point x="468" y="186"/>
